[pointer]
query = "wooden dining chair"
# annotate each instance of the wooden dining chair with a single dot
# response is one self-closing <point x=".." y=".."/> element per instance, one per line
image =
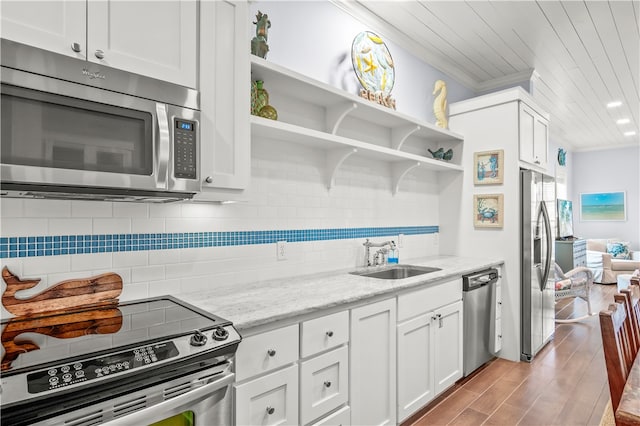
<point x="617" y="349"/>
<point x="630" y="301"/>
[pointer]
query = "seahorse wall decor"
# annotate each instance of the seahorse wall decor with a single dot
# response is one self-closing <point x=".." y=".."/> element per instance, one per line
<point x="440" y="104"/>
<point x="98" y="290"/>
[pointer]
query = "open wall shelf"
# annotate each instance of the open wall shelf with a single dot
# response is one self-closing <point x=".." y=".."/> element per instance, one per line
<point x="322" y="116"/>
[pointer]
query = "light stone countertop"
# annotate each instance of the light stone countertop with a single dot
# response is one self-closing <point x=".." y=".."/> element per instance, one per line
<point x="262" y="303"/>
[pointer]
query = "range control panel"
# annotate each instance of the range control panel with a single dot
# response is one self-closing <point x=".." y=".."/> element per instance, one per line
<point x="185" y="149"/>
<point x="96" y="368"/>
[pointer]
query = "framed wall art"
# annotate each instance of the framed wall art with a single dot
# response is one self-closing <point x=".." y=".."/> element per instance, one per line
<point x="488" y="210"/>
<point x="488" y="167"/>
<point x="603" y="206"/>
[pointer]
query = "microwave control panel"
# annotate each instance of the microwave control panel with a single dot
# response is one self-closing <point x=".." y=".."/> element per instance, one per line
<point x="184" y="149"/>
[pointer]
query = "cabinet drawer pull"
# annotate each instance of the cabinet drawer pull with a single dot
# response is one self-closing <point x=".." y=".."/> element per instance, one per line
<point x="270" y="410"/>
<point x="271" y="352"/>
<point x="329" y="333"/>
<point x="76" y="47"/>
<point x="327" y="384"/>
<point x="99" y="54"/>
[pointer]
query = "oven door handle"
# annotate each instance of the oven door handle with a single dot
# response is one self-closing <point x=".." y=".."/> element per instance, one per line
<point x="173" y="406"/>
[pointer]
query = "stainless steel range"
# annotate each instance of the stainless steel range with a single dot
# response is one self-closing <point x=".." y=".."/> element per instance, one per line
<point x="136" y="363"/>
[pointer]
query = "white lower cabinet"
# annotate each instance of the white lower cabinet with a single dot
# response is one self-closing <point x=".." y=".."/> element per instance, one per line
<point x="429" y="344"/>
<point x="373" y="364"/>
<point x="268" y="400"/>
<point x="324" y="384"/>
<point x="448" y="335"/>
<point x="415" y="365"/>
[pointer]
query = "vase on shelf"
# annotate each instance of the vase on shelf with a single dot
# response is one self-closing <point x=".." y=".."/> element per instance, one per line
<point x="260" y="101"/>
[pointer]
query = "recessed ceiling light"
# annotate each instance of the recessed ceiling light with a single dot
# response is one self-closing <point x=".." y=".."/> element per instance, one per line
<point x="623" y="121"/>
<point x="614" y="104"/>
<point x="631" y="133"/>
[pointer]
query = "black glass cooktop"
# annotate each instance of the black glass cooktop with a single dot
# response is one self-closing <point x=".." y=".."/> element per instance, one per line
<point x="34" y="341"/>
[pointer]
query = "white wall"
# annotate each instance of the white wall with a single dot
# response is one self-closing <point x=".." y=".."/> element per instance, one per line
<point x="610" y="170"/>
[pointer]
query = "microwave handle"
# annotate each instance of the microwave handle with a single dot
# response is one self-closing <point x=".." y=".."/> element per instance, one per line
<point x="162" y="145"/>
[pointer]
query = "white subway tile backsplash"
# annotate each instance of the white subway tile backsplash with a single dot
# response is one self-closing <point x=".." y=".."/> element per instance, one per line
<point x="84" y="262"/>
<point x="129" y="259"/>
<point x="47" y="208"/>
<point x="148" y="273"/>
<point x="11" y="207"/>
<point x="114" y="225"/>
<point x="165" y="210"/>
<point x="68" y="226"/>
<point x="164" y="257"/>
<point x="200" y="210"/>
<point x="162" y="287"/>
<point x="190" y="225"/>
<point x="42" y="266"/>
<point x="91" y="209"/>
<point x="147" y="226"/>
<point x="24" y="227"/>
<point x="138" y="210"/>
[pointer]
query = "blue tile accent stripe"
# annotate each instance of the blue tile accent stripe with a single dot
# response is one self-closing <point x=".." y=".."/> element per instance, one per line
<point x="11" y="247"/>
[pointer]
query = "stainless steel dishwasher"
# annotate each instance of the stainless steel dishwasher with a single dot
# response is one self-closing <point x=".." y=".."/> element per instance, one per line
<point x="478" y="296"/>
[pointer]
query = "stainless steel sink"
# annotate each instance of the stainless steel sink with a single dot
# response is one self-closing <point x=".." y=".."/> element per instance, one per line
<point x="396" y="272"/>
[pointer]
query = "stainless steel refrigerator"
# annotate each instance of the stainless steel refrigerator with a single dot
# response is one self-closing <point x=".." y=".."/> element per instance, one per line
<point x="536" y="267"/>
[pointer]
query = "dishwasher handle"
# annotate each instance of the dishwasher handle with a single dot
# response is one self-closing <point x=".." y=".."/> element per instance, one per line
<point x="479" y="279"/>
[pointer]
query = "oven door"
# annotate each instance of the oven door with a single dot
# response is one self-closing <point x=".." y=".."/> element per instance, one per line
<point x="196" y="399"/>
<point x="55" y="132"/>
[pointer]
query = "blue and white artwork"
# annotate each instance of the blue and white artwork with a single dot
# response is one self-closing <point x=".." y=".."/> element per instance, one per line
<point x="603" y="206"/>
<point x="488" y="167"/>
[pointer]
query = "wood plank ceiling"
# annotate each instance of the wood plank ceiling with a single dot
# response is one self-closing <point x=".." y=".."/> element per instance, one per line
<point x="582" y="55"/>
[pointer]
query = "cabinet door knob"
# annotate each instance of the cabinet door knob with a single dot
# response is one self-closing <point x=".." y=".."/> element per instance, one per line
<point x="327" y="384"/>
<point x="271" y="352"/>
<point x="76" y="47"/>
<point x="329" y="333"/>
<point x="270" y="410"/>
<point x="99" y="54"/>
<point x="208" y="179"/>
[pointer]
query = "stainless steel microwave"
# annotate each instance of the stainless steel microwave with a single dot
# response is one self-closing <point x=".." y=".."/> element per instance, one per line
<point x="78" y="130"/>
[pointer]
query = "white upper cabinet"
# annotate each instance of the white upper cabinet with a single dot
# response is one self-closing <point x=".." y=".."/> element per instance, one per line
<point x="57" y="26"/>
<point x="151" y="38"/>
<point x="224" y="100"/>
<point x="534" y="137"/>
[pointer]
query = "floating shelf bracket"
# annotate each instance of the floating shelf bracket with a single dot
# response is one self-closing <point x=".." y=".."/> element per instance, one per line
<point x="399" y="170"/>
<point x="400" y="134"/>
<point x="335" y="158"/>
<point x="337" y="113"/>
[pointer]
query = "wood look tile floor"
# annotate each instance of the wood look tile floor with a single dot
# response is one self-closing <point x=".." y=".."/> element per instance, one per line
<point x="566" y="384"/>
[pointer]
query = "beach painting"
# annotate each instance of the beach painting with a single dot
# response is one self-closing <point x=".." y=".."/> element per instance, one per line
<point x="603" y="206"/>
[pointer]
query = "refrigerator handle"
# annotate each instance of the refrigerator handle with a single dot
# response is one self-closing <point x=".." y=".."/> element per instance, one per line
<point x="547" y="261"/>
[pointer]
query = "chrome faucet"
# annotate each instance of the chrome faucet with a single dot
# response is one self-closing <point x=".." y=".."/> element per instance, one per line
<point x="379" y="258"/>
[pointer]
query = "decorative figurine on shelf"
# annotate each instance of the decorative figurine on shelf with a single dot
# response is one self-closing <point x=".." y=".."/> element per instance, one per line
<point x="260" y="101"/>
<point x="437" y="154"/>
<point x="374" y="68"/>
<point x="259" y="46"/>
<point x="448" y="155"/>
<point x="440" y="104"/>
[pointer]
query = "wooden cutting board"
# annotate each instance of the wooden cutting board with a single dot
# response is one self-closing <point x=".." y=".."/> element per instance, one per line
<point x="71" y="294"/>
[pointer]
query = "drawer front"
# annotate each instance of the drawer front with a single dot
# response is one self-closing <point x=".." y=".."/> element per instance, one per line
<point x="324" y="381"/>
<point x="266" y="351"/>
<point x="269" y="400"/>
<point x="324" y="333"/>
<point x="342" y="417"/>
<point x="427" y="299"/>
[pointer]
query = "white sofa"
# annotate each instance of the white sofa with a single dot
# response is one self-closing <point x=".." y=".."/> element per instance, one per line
<point x="605" y="268"/>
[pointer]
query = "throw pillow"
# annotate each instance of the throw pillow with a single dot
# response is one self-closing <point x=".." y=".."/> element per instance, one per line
<point x="619" y="250"/>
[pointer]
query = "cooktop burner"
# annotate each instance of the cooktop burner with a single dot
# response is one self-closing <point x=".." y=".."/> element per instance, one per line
<point x="62" y="352"/>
